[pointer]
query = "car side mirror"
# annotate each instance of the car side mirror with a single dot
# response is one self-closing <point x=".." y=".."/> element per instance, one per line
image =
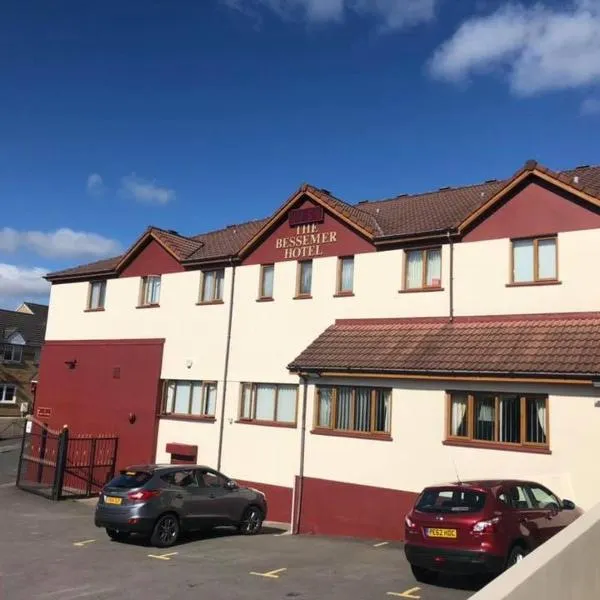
<point x="231" y="485"/>
<point x="568" y="505"/>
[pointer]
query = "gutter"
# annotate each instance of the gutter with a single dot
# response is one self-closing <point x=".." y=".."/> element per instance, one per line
<point x="226" y="368"/>
<point x="299" y="494"/>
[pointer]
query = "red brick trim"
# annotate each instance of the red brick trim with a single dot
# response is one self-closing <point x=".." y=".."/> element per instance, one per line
<point x="418" y="290"/>
<point x="201" y="418"/>
<point x="94" y="310"/>
<point x="497" y="446"/>
<point x="533" y="283"/>
<point x="209" y="302"/>
<point x="267" y="423"/>
<point x="266" y="299"/>
<point x="148" y="306"/>
<point x="382" y="437"/>
<point x="343" y="295"/>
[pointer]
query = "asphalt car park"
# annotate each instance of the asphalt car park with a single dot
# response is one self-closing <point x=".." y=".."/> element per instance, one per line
<point x="53" y="551"/>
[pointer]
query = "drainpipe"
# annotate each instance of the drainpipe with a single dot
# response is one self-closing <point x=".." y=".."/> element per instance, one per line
<point x="451" y="286"/>
<point x="226" y="368"/>
<point x="298" y="495"/>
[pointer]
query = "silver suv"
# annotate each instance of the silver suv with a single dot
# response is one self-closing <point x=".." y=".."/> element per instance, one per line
<point x="162" y="501"/>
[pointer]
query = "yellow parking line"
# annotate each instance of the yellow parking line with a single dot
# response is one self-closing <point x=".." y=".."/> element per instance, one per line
<point x="406" y="594"/>
<point x="271" y="574"/>
<point x="380" y="544"/>
<point x="163" y="556"/>
<point x="83" y="543"/>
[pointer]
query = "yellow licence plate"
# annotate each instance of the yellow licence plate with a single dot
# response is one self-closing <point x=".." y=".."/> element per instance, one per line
<point x="441" y="533"/>
<point x="112" y="500"/>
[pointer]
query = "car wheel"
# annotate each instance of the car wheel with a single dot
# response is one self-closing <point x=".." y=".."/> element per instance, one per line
<point x="423" y="575"/>
<point x="166" y="531"/>
<point x="251" y="521"/>
<point x="116" y="535"/>
<point x="516" y="555"/>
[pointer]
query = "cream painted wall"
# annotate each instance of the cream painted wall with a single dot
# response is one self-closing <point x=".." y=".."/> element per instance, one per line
<point x="417" y="457"/>
<point x="203" y="435"/>
<point x="192" y="332"/>
<point x="482" y="270"/>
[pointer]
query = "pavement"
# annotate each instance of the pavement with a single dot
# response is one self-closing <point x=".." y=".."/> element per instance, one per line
<point x="9" y="458"/>
<point x="53" y="551"/>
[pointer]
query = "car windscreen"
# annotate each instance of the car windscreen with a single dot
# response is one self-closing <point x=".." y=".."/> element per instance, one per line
<point x="130" y="479"/>
<point x="451" y="501"/>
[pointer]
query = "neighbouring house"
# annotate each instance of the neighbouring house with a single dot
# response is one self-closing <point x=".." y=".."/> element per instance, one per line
<point x="340" y="357"/>
<point x="21" y="337"/>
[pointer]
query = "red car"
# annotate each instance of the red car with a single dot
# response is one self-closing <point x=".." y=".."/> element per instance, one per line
<point x="481" y="526"/>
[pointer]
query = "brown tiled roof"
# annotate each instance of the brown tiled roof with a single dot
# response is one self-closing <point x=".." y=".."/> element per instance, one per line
<point x="528" y="345"/>
<point x="407" y="215"/>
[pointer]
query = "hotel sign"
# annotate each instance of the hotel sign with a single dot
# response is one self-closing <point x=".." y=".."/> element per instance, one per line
<point x="307" y="242"/>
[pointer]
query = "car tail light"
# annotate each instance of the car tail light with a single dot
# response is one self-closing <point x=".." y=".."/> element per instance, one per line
<point x="488" y="526"/>
<point x="409" y="522"/>
<point x="142" y="495"/>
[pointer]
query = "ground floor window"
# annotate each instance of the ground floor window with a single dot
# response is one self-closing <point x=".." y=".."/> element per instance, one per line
<point x="269" y="403"/>
<point x="193" y="398"/>
<point x="354" y="409"/>
<point x="8" y="393"/>
<point x="515" y="419"/>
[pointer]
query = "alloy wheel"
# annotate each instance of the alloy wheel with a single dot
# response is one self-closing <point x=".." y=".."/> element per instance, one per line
<point x="167" y="530"/>
<point x="253" y="521"/>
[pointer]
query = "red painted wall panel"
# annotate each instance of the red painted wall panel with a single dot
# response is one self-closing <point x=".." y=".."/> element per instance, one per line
<point x="91" y="400"/>
<point x="534" y="210"/>
<point x="279" y="500"/>
<point x="153" y="259"/>
<point x="345" y="241"/>
<point x="345" y="509"/>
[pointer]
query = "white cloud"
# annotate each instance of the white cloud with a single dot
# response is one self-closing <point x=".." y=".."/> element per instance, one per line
<point x="590" y="106"/>
<point x="17" y="282"/>
<point x="145" y="191"/>
<point x="392" y="14"/>
<point x="95" y="184"/>
<point x="62" y="243"/>
<point x="541" y="48"/>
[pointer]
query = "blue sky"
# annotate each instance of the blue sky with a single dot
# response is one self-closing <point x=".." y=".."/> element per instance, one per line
<point x="194" y="115"/>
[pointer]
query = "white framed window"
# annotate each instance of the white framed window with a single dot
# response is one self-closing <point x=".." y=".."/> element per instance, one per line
<point x="150" y="294"/>
<point x="192" y="398"/>
<point x="345" y="275"/>
<point x="96" y="295"/>
<point x="267" y="274"/>
<point x="8" y="393"/>
<point x="211" y="288"/>
<point x="11" y="353"/>
<point x="535" y="260"/>
<point x="268" y="403"/>
<point x="423" y="269"/>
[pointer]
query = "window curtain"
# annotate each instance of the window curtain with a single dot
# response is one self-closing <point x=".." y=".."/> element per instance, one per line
<point x="434" y="268"/>
<point x="325" y="405"/>
<point x="182" y="397"/>
<point x="362" y="409"/>
<point x="510" y="419"/>
<point x="344" y="408"/>
<point x="286" y="403"/>
<point x="547" y="259"/>
<point x="459" y="415"/>
<point x="220" y="278"/>
<point x="485" y="418"/>
<point x="196" y="398"/>
<point x="305" y="277"/>
<point x="536" y="420"/>
<point x="170" y="397"/>
<point x="267" y="283"/>
<point x="208" y="286"/>
<point x="414" y="270"/>
<point x="523" y="260"/>
<point x="97" y="295"/>
<point x="153" y="290"/>
<point x="382" y="411"/>
<point x="347" y="275"/>
<point x="210" y="404"/>
<point x="265" y="402"/>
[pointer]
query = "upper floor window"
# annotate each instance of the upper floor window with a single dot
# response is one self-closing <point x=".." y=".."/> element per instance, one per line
<point x="96" y="295"/>
<point x="8" y="394"/>
<point x="267" y="273"/>
<point x="423" y="269"/>
<point x="345" y="275"/>
<point x="304" y="279"/>
<point x="354" y="409"/>
<point x="12" y="353"/>
<point x="502" y="419"/>
<point x="534" y="260"/>
<point x="268" y="403"/>
<point x="212" y="286"/>
<point x="150" y="295"/>
<point x="194" y="398"/>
